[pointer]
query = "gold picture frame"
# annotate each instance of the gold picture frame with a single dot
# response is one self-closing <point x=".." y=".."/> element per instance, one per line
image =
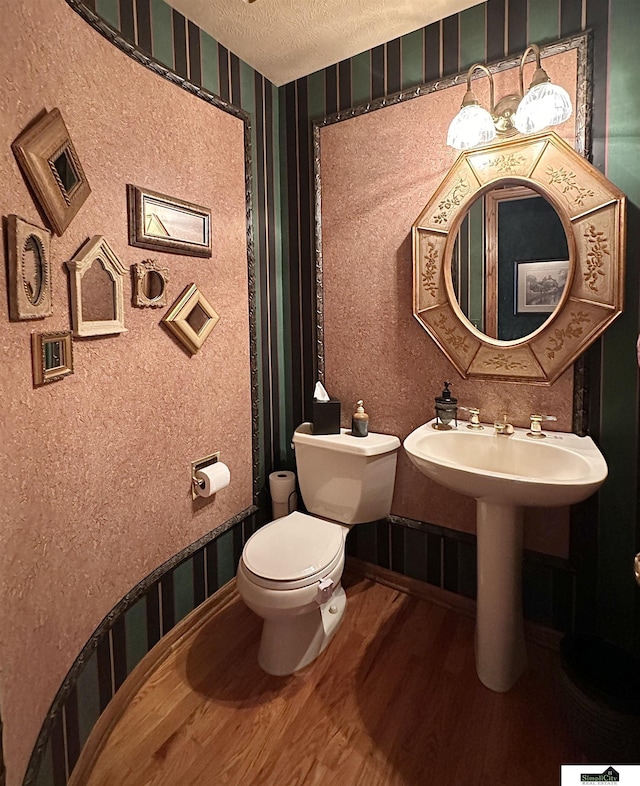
<point x="191" y="318"/>
<point x="51" y="356"/>
<point x="51" y="165"/>
<point x="149" y="284"/>
<point x="593" y="213"/>
<point x="29" y="270"/>
<point x="97" y="289"/>
<point x="163" y="223"/>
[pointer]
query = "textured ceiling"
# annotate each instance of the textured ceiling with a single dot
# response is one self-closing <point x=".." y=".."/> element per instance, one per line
<point x="287" y="39"/>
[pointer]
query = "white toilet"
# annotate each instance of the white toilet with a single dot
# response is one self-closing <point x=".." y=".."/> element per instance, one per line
<point x="290" y="569"/>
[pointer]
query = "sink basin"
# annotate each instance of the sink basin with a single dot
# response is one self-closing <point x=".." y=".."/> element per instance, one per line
<point x="560" y="469"/>
<point x="505" y="474"/>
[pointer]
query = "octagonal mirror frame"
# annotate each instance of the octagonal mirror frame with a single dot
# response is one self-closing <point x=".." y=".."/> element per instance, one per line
<point x="593" y="213"/>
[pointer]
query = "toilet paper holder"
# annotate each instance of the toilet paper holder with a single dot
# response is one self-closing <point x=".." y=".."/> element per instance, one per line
<point x="197" y="483"/>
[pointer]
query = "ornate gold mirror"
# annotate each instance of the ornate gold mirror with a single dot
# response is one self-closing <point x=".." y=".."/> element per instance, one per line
<point x="575" y="287"/>
<point x="149" y="284"/>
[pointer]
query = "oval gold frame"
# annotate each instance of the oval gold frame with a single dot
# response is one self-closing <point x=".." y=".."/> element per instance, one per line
<point x="593" y="213"/>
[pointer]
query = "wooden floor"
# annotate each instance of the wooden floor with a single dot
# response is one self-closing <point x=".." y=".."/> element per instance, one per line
<point x="394" y="700"/>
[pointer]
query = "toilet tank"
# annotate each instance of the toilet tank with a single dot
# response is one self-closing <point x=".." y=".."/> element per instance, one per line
<point x="344" y="478"/>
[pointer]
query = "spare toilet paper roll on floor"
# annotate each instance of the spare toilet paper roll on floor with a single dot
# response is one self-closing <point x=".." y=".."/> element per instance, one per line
<point x="215" y="476"/>
<point x="282" y="486"/>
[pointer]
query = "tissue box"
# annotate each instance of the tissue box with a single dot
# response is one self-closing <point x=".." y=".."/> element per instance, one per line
<point x="326" y="417"/>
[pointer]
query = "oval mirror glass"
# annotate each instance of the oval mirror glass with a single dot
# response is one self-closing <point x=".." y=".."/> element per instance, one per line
<point x="510" y="262"/>
<point x="98" y="293"/>
<point x="152" y="285"/>
<point x="32" y="269"/>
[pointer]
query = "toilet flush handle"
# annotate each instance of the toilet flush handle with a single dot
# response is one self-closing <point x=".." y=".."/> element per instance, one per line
<point x="325" y="590"/>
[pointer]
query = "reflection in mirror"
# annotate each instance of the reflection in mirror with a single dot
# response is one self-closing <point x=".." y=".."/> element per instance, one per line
<point x="98" y="293"/>
<point x="32" y="269"/>
<point x="510" y="262"/>
<point x="152" y="285"/>
<point x="197" y="318"/>
<point x="66" y="171"/>
<point x="53" y="355"/>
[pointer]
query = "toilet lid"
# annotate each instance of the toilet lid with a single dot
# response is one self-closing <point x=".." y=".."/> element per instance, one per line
<point x="294" y="547"/>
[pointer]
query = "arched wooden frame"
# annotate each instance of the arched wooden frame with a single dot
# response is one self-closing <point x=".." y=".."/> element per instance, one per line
<point x="97" y="249"/>
<point x="592" y="211"/>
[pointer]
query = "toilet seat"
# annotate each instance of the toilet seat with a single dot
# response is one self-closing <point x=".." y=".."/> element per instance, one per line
<point x="294" y="551"/>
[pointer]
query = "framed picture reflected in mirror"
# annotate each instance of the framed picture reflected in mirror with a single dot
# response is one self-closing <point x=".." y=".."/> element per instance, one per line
<point x="539" y="285"/>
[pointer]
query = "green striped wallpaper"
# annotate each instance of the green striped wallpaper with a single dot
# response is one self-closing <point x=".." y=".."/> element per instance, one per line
<point x="604" y="534"/>
<point x="596" y="590"/>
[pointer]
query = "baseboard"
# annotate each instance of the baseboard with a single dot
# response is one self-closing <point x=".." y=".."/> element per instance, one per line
<point x="535" y="633"/>
<point x="176" y="638"/>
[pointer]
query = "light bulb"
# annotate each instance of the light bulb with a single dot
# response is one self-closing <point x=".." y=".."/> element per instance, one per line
<point x="472" y="126"/>
<point x="544" y="105"/>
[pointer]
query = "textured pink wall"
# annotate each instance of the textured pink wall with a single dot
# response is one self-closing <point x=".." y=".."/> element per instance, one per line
<point x="378" y="171"/>
<point x="95" y="489"/>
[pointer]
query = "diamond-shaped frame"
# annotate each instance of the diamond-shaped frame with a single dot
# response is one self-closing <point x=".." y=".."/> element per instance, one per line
<point x="180" y="319"/>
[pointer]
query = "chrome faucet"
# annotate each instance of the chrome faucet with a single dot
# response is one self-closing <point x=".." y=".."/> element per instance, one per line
<point x="503" y="429"/>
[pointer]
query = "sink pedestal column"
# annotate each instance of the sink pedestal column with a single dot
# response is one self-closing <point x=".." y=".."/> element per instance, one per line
<point x="500" y="649"/>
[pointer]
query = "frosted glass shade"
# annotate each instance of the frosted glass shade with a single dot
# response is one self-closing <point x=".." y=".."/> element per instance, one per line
<point x="472" y="126"/>
<point x="543" y="105"/>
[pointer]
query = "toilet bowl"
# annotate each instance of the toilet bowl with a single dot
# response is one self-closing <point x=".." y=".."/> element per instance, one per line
<point x="290" y="570"/>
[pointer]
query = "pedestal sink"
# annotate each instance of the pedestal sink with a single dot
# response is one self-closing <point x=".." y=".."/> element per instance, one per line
<point x="505" y="474"/>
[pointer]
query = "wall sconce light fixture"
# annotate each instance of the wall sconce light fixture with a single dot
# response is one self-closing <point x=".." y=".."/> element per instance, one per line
<point x="543" y="105"/>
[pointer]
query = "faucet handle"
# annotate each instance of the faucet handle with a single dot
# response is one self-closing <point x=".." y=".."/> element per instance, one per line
<point x="474" y="417"/>
<point x="535" y="429"/>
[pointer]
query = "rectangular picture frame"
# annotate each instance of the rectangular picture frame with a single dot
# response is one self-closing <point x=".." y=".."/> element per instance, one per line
<point x="52" y="356"/>
<point x="159" y="222"/>
<point x="539" y="285"/>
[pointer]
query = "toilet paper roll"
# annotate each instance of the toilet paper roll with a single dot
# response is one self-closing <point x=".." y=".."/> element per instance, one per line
<point x="282" y="486"/>
<point x="215" y="476"/>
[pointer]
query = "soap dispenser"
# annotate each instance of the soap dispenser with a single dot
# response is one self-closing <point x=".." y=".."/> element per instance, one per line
<point x="446" y="409"/>
<point x="360" y="422"/>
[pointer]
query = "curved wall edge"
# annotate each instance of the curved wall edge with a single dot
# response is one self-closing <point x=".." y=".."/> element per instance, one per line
<point x="207" y="564"/>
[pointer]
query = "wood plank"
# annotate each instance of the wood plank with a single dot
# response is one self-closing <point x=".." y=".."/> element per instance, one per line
<point x="393" y="701"/>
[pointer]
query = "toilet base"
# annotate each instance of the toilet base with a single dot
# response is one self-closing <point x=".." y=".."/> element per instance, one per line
<point x="291" y="643"/>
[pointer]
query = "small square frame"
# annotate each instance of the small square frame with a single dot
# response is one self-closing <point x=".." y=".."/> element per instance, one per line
<point x="22" y="235"/>
<point x="51" y="356"/>
<point x="142" y="202"/>
<point x="50" y="163"/>
<point x="177" y="318"/>
<point x="556" y="270"/>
